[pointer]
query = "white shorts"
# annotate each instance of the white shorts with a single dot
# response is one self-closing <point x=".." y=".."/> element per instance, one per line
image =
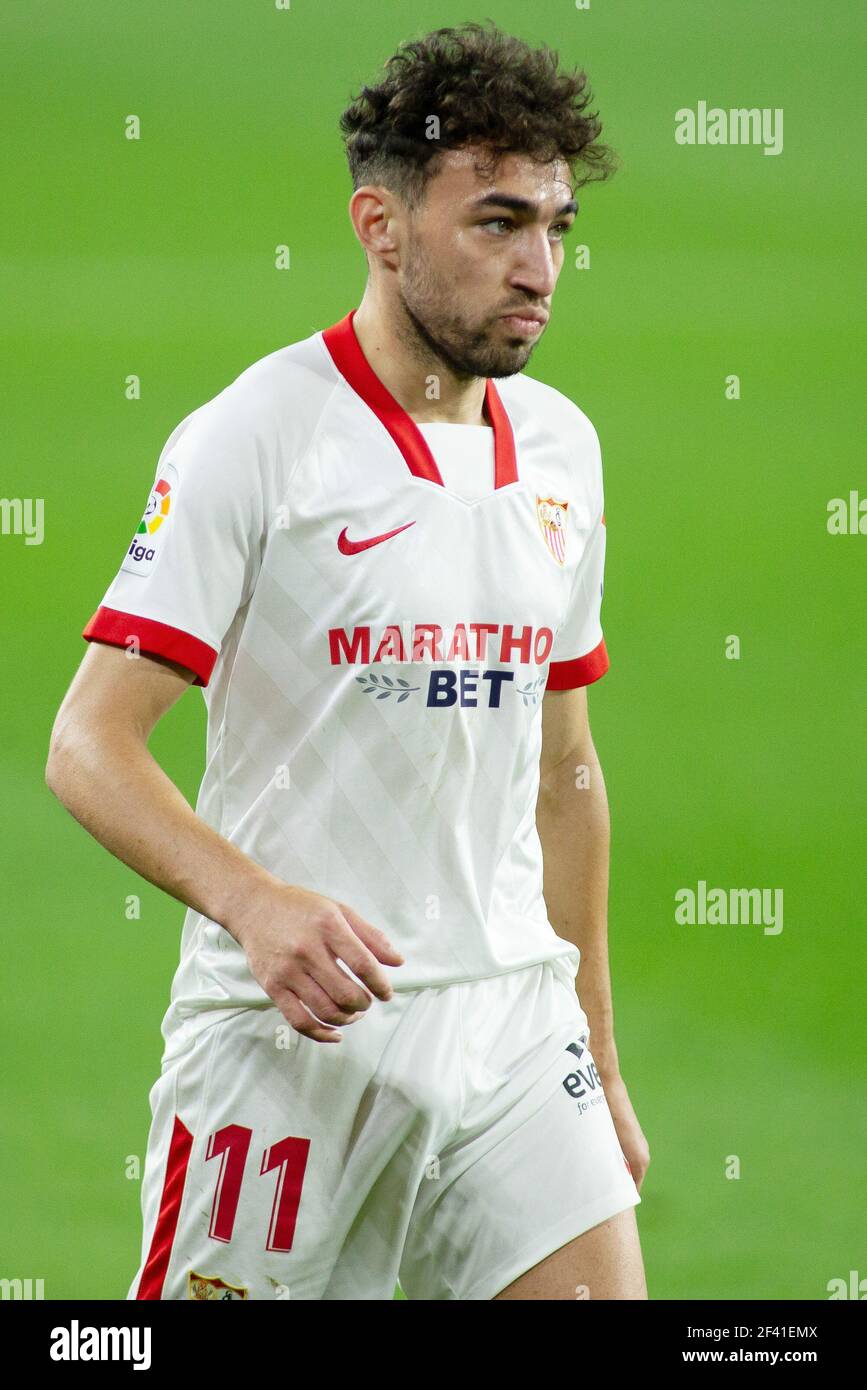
<point x="453" y="1139"/>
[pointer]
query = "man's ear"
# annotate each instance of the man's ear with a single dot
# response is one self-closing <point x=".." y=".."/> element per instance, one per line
<point x="372" y="212"/>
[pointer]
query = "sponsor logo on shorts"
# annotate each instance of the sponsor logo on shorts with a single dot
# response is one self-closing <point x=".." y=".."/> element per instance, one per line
<point x="584" y="1083"/>
<point x="209" y="1286"/>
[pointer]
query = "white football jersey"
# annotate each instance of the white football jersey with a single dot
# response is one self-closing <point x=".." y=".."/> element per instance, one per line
<point x="373" y="650"/>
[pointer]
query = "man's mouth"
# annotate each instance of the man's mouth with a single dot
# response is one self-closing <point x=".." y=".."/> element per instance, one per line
<point x="527" y="323"/>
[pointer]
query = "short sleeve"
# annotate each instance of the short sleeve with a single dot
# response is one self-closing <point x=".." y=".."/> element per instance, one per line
<point x="579" y="655"/>
<point x="194" y="558"/>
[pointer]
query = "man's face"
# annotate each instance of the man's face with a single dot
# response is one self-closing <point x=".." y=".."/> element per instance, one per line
<point x="482" y="247"/>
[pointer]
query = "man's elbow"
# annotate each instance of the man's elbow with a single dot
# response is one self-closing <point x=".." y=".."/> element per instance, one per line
<point x="60" y="762"/>
<point x="578" y="770"/>
<point x="53" y="767"/>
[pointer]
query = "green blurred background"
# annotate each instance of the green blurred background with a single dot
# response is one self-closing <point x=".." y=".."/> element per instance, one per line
<point x="156" y="258"/>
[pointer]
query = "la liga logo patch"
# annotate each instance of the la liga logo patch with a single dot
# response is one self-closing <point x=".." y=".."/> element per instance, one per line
<point x="145" y="544"/>
<point x="158" y="507"/>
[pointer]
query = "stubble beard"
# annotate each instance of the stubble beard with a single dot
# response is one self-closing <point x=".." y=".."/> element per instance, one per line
<point x="436" y="334"/>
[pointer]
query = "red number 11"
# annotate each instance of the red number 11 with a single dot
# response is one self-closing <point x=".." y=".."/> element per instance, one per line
<point x="289" y="1156"/>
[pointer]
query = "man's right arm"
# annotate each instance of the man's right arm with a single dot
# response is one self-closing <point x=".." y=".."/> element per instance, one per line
<point x="100" y="768"/>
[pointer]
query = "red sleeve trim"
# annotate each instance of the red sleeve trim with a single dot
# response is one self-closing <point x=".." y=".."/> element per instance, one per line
<point x="155" y="639"/>
<point x="584" y="670"/>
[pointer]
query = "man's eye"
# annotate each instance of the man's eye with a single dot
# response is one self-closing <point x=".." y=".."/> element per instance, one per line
<point x="562" y="227"/>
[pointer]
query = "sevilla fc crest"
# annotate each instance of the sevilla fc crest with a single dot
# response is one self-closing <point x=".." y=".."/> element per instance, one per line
<point x="205" y="1287"/>
<point x="552" y="520"/>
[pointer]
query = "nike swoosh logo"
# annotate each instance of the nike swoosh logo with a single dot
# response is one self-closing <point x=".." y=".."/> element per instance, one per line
<point x="348" y="547"/>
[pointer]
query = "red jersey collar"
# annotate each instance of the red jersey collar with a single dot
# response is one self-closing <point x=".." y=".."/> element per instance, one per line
<point x="345" y="349"/>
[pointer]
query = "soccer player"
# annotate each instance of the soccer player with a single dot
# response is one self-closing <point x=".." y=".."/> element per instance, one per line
<point x="379" y="553"/>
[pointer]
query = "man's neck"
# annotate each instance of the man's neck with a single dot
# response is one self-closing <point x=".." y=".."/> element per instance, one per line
<point x="405" y="365"/>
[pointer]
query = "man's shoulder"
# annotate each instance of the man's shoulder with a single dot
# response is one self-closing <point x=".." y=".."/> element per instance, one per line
<point x="535" y="405"/>
<point x="292" y="381"/>
<point x="261" y="421"/>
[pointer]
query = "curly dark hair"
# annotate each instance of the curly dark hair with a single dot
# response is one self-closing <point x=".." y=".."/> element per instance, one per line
<point x="484" y="87"/>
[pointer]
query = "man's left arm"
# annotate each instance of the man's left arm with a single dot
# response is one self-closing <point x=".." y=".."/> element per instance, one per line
<point x="574" y="829"/>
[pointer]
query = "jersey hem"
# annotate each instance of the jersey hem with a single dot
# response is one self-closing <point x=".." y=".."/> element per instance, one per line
<point x="185" y="1013"/>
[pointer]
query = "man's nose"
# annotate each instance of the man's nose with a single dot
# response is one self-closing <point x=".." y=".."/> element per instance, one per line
<point x="534" y="269"/>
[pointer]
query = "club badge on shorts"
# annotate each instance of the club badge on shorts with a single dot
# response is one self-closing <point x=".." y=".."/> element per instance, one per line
<point x="205" y="1286"/>
<point x="552" y="521"/>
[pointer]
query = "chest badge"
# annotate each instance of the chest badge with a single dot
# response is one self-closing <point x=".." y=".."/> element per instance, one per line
<point x="552" y="522"/>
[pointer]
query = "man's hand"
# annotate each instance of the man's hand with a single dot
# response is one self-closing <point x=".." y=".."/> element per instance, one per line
<point x="101" y="769"/>
<point x="635" y="1148"/>
<point x="293" y="938"/>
